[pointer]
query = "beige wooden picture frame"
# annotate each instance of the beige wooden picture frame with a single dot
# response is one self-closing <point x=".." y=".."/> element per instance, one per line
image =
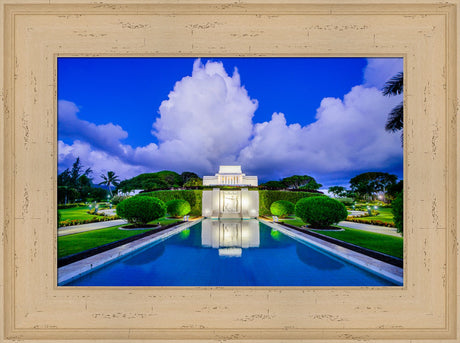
<point x="35" y="33"/>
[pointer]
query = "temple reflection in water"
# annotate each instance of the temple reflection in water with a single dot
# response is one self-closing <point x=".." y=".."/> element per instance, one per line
<point x="230" y="236"/>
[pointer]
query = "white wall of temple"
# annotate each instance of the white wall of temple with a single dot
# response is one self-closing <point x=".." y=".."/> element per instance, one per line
<point x="230" y="204"/>
<point x="230" y="180"/>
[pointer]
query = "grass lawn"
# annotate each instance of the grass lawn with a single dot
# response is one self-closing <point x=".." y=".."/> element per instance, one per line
<point x="75" y="213"/>
<point x="71" y="244"/>
<point x="296" y="221"/>
<point x="386" y="244"/>
<point x="385" y="216"/>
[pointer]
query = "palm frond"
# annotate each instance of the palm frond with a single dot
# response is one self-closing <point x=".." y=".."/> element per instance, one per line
<point x="394" y="85"/>
<point x="395" y="119"/>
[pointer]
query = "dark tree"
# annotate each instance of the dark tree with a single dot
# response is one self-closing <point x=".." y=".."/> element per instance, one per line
<point x="74" y="183"/>
<point x="338" y="191"/>
<point x="193" y="182"/>
<point x="392" y="87"/>
<point x="395" y="189"/>
<point x="98" y="194"/>
<point x="367" y="185"/>
<point x="273" y="185"/>
<point x="109" y="180"/>
<point x="301" y="181"/>
<point x="185" y="176"/>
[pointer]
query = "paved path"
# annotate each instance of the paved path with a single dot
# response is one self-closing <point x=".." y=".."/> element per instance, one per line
<point x="373" y="228"/>
<point x="108" y="212"/>
<point x="68" y="230"/>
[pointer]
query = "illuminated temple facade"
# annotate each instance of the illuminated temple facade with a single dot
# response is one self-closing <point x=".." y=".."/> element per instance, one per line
<point x="237" y="203"/>
<point x="230" y="176"/>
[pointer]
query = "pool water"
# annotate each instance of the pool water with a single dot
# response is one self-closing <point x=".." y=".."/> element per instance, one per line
<point x="230" y="253"/>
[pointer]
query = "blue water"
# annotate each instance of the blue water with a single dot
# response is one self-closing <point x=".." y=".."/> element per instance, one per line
<point x="231" y="253"/>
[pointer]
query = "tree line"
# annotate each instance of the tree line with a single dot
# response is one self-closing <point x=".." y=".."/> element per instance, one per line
<point x="75" y="184"/>
<point x="370" y="186"/>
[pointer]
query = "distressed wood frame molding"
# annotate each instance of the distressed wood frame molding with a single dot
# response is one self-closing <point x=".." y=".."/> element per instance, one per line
<point x="34" y="34"/>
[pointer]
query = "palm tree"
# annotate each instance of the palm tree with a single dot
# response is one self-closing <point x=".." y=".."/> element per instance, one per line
<point x="110" y="179"/>
<point x="394" y="86"/>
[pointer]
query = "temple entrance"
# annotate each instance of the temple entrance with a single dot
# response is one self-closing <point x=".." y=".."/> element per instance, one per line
<point x="238" y="203"/>
<point x="230" y="204"/>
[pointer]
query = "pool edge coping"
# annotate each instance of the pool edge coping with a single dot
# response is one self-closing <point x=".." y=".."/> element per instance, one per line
<point x="79" y="268"/>
<point x="373" y="265"/>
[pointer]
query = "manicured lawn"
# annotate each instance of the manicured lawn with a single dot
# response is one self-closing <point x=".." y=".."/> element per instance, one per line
<point x="386" y="244"/>
<point x="75" y="213"/>
<point x="385" y="216"/>
<point x="71" y="244"/>
<point x="295" y="222"/>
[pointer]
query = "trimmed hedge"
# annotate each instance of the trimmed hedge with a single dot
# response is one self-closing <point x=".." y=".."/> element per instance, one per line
<point x="267" y="197"/>
<point x="71" y="205"/>
<point x="141" y="210"/>
<point x="178" y="208"/>
<point x="320" y="211"/>
<point x="370" y="222"/>
<point x="346" y="201"/>
<point x="282" y="208"/>
<point x="193" y="197"/>
<point x="71" y="222"/>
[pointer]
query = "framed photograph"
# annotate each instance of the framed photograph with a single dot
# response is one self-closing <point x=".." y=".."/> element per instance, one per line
<point x="72" y="73"/>
<point x="238" y="181"/>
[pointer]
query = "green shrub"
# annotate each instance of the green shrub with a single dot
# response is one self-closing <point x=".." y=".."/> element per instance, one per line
<point x="71" y="222"/>
<point x="267" y="197"/>
<point x="118" y="199"/>
<point x="320" y="211"/>
<point x="397" y="208"/>
<point x="65" y="206"/>
<point x="193" y="197"/>
<point x="178" y="208"/>
<point x="141" y="210"/>
<point x="371" y="221"/>
<point x="282" y="208"/>
<point x="346" y="201"/>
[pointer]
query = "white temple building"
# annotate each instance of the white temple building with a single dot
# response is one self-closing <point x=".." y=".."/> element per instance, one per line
<point x="238" y="203"/>
<point x="230" y="176"/>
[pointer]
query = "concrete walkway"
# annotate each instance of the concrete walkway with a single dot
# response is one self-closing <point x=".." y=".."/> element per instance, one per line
<point x="69" y="230"/>
<point x="373" y="228"/>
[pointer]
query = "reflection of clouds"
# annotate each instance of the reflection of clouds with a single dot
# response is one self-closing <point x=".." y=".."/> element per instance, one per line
<point x="230" y="236"/>
<point x="316" y="259"/>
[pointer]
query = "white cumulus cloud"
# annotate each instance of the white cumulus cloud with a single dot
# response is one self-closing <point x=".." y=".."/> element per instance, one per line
<point x="105" y="137"/>
<point x="347" y="135"/>
<point x="207" y="120"/>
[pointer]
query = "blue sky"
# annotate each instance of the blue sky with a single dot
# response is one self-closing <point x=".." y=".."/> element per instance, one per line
<point x="275" y="116"/>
